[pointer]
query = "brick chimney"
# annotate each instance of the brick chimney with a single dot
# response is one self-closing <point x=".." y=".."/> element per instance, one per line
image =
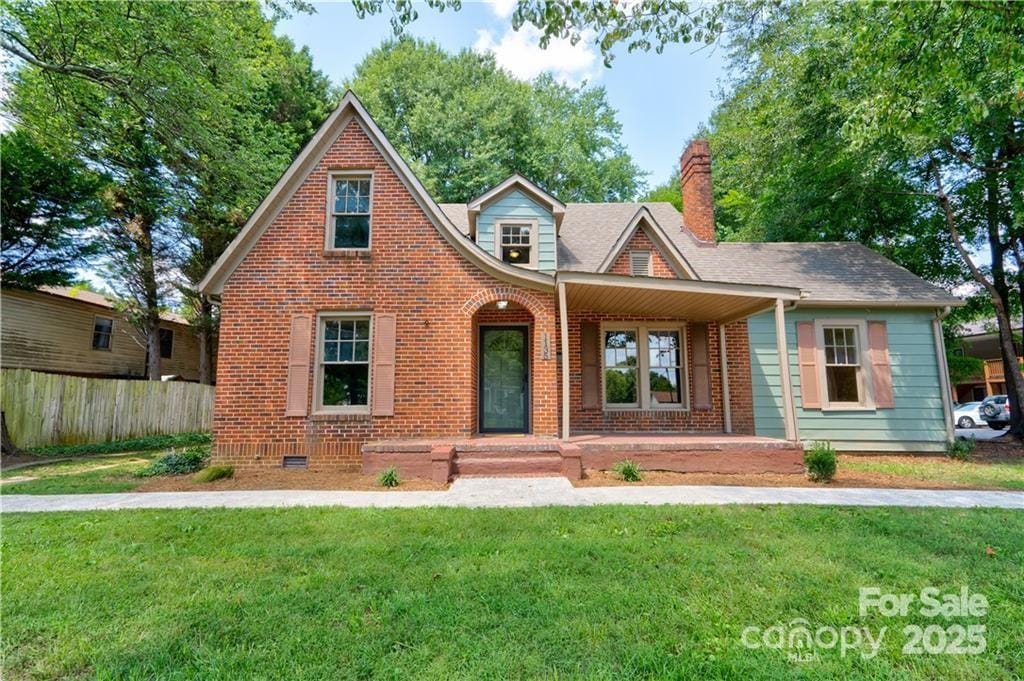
<point x="698" y="199"/>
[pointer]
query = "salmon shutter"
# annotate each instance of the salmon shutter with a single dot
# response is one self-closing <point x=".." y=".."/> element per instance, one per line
<point x="807" y="356"/>
<point x="701" y="368"/>
<point x="881" y="370"/>
<point x="384" y="365"/>
<point x="591" y="350"/>
<point x="297" y="398"/>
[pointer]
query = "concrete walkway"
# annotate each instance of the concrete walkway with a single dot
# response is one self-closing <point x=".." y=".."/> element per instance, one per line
<point x="517" y="492"/>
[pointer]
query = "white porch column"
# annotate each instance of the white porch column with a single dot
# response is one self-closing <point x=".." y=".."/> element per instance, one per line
<point x="724" y="361"/>
<point x="788" y="409"/>
<point x="563" y="322"/>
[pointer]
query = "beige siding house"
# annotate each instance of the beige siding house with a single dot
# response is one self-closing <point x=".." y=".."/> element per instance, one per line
<point x="72" y="331"/>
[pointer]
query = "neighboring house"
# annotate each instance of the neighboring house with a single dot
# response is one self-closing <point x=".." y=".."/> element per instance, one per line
<point x="981" y="339"/>
<point x="78" y="332"/>
<point x="362" y="321"/>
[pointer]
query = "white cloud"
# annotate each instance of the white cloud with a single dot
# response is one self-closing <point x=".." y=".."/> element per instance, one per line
<point x="503" y="8"/>
<point x="520" y="53"/>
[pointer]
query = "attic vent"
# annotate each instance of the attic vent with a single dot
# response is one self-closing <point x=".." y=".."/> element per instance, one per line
<point x="640" y="263"/>
<point x="295" y="462"/>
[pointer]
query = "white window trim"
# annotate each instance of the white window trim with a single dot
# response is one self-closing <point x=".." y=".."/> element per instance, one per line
<point x="92" y="336"/>
<point x="318" y="394"/>
<point x="650" y="263"/>
<point x="534" y="239"/>
<point x="643" y="365"/>
<point x="329" y="222"/>
<point x="864" y="385"/>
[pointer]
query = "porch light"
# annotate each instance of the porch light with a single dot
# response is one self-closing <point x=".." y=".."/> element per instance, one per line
<point x="502" y="304"/>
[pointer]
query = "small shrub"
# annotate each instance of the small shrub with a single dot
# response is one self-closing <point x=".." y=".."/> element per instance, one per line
<point x="820" y="462"/>
<point x="961" y="448"/>
<point x="178" y="463"/>
<point x="389" y="477"/>
<point x="211" y="473"/>
<point x="629" y="470"/>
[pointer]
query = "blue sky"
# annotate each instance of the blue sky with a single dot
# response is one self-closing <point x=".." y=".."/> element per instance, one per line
<point x="661" y="99"/>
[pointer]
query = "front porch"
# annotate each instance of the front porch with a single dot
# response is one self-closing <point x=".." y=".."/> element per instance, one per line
<point x="444" y="458"/>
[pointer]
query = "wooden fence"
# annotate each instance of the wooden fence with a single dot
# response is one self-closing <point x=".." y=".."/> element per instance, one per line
<point x="50" y="409"/>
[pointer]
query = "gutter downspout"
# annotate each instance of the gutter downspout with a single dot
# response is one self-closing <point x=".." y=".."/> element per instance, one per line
<point x="943" y="362"/>
<point x="563" y="322"/>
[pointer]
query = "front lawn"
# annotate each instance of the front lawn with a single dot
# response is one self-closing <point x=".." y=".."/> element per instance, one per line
<point x="80" y="476"/>
<point x="1004" y="474"/>
<point x="604" y="592"/>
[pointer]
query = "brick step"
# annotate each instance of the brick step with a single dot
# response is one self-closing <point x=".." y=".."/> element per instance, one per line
<point x="472" y="464"/>
<point x="506" y="453"/>
<point x="486" y="449"/>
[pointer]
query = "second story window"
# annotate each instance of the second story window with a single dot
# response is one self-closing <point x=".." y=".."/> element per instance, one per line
<point x="350" y="212"/>
<point x="102" y="330"/>
<point x="516" y="243"/>
<point x="166" y="343"/>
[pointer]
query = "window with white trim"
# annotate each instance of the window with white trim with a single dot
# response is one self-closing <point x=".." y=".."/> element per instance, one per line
<point x="343" y="363"/>
<point x="102" y="332"/>
<point x="350" y="210"/>
<point x="843" y="366"/>
<point x="516" y="243"/>
<point x="644" y="366"/>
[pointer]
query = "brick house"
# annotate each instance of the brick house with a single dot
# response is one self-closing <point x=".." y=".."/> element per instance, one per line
<point x="362" y="323"/>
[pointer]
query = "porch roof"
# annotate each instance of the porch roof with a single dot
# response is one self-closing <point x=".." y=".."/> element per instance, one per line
<point x="699" y="301"/>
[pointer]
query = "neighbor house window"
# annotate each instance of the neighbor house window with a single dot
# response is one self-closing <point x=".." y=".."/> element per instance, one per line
<point x="343" y="375"/>
<point x="644" y="366"/>
<point x="517" y="243"/>
<point x="166" y="343"/>
<point x="102" y="331"/>
<point x="843" y="364"/>
<point x="350" y="211"/>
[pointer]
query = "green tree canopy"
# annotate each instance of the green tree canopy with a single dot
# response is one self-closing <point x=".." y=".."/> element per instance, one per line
<point x="464" y="125"/>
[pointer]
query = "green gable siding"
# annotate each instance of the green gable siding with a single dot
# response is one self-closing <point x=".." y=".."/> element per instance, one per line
<point x="516" y="204"/>
<point x="916" y="422"/>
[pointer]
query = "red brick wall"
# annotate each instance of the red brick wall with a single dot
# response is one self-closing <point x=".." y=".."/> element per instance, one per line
<point x="641" y="241"/>
<point x="738" y="356"/>
<point x="412" y="272"/>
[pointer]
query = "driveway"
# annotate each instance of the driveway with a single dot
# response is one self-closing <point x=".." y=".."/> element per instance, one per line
<point x="980" y="434"/>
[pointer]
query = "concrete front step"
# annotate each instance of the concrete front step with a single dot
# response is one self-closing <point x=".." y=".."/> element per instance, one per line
<point x="491" y="463"/>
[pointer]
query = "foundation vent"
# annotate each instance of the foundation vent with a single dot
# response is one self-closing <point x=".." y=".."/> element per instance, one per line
<point x="295" y="462"/>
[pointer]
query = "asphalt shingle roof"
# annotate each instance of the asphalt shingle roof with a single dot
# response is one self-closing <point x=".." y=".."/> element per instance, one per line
<point x="826" y="272"/>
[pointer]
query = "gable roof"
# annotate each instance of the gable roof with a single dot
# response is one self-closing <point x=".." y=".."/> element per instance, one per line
<point x="84" y="295"/>
<point x="644" y="219"/>
<point x="348" y="111"/>
<point x="515" y="181"/>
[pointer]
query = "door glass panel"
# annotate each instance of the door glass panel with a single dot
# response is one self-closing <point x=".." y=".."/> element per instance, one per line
<point x="503" y="380"/>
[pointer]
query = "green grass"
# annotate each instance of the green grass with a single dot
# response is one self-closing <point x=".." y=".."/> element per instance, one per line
<point x="1004" y="474"/>
<point x="598" y="593"/>
<point x="142" y="444"/>
<point x="83" y="476"/>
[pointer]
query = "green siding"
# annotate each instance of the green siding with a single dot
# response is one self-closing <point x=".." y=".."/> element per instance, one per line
<point x="515" y="204"/>
<point x="915" y="423"/>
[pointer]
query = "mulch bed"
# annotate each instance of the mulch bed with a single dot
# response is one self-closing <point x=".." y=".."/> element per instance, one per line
<point x="312" y="478"/>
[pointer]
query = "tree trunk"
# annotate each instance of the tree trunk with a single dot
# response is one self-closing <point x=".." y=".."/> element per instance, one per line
<point x="9" y="448"/>
<point x="205" y="340"/>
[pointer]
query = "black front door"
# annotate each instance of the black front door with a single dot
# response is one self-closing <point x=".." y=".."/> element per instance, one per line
<point x="504" y="379"/>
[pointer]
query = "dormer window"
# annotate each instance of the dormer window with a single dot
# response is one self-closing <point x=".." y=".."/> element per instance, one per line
<point x="350" y="210"/>
<point x="517" y="243"/>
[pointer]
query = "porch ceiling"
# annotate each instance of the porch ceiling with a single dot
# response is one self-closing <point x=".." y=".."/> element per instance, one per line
<point x="702" y="301"/>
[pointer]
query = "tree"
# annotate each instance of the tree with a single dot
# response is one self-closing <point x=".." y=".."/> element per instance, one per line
<point x="47" y="207"/>
<point x="176" y="103"/>
<point x="899" y="125"/>
<point x="464" y="125"/>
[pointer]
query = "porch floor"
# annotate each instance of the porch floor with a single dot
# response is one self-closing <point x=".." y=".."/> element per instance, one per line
<point x="442" y="458"/>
